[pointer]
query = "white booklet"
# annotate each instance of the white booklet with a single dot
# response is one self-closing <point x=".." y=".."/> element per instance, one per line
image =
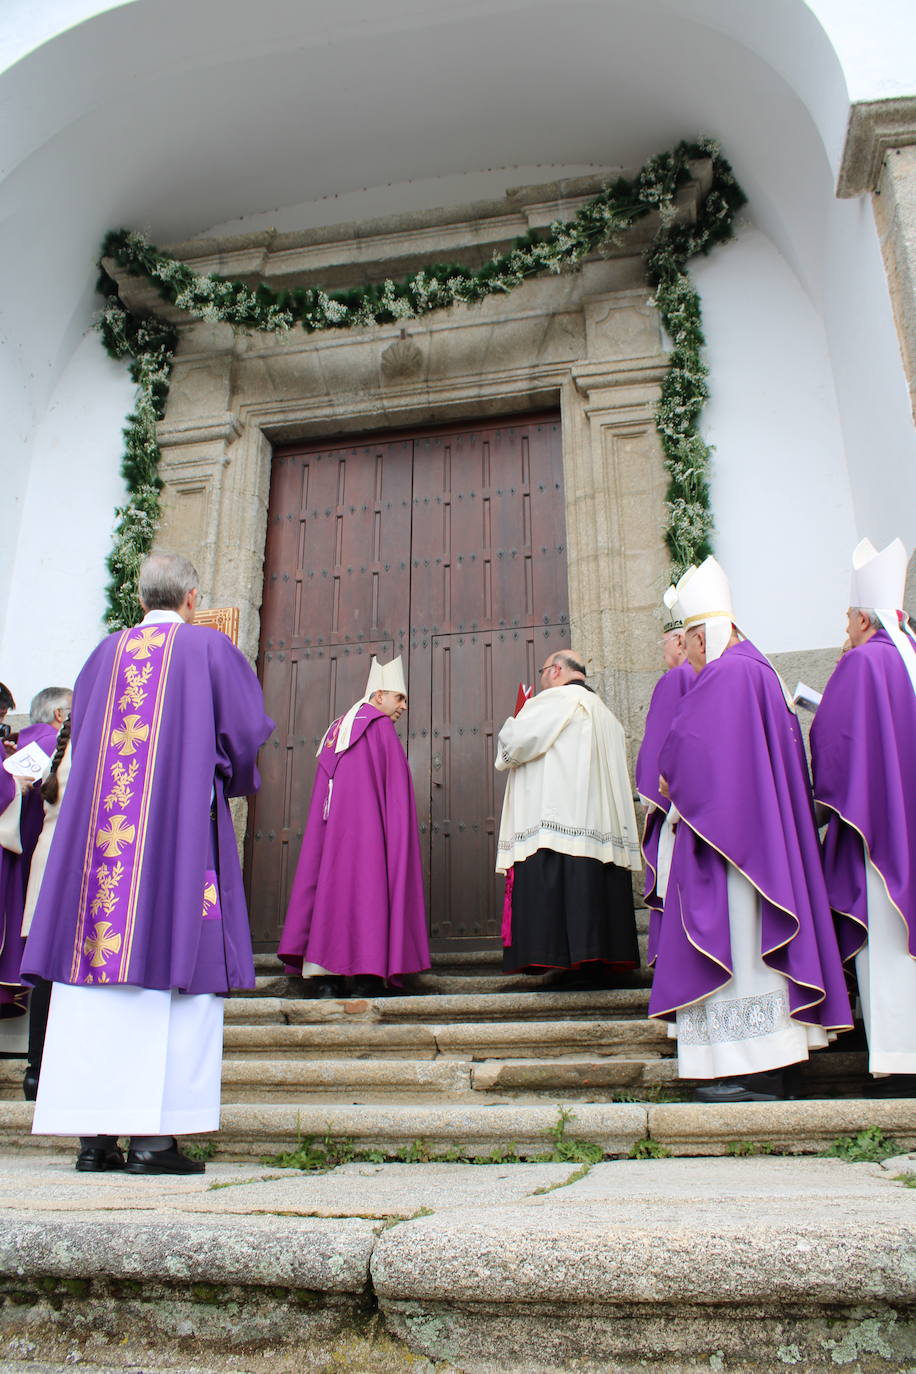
<point x="806" y="696"/>
<point x="30" y="762"/>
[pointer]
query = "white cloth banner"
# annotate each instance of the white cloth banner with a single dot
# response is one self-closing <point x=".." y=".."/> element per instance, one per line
<point x="130" y="1061"/>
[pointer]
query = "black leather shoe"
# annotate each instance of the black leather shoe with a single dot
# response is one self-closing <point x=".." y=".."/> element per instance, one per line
<point x="95" y="1159"/>
<point x="30" y="1084"/>
<point x="169" y="1161"/>
<point x="322" y="987"/>
<point x="756" y="1087"/>
<point x="369" y="985"/>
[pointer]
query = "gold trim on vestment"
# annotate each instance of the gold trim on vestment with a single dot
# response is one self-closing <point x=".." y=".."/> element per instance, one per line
<point x="763" y="953"/>
<point x="145" y="803"/>
<point x="869" y="860"/>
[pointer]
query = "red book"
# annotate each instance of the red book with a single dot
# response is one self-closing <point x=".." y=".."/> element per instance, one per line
<point x="523" y="694"/>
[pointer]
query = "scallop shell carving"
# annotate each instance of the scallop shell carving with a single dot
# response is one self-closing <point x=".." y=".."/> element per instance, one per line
<point x="401" y="360"/>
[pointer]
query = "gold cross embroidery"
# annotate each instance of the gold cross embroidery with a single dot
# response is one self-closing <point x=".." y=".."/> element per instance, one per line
<point x="211" y="897"/>
<point x="101" y="944"/>
<point x="115" y="836"/>
<point x="144" y="642"/>
<point x="128" y="733"/>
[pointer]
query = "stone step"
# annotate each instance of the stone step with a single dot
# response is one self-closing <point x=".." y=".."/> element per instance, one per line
<point x="409" y="1078"/>
<point x="526" y="1130"/>
<point x="368" y="1081"/>
<point x="613" y="1004"/>
<point x="474" y="1040"/>
<point x="676" y="1265"/>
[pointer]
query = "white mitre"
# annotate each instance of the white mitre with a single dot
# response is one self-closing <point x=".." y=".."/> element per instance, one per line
<point x="878" y="579"/>
<point x="705" y="598"/>
<point x="383" y="677"/>
<point x="674" y="616"/>
<point x="878" y="584"/>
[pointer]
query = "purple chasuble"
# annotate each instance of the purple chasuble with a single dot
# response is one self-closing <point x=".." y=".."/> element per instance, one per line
<point x="14" y="872"/>
<point x="356" y="904"/>
<point x="736" y="768"/>
<point x="863" y="751"/>
<point x="665" y="700"/>
<point x="141" y="886"/>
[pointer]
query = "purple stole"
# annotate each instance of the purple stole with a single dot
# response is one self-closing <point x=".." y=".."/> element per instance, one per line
<point x="120" y="808"/>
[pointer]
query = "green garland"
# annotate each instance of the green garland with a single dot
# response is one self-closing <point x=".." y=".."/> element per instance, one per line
<point x="150" y="344"/>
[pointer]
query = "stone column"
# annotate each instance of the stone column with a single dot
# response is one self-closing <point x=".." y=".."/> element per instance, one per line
<point x="615" y="486"/>
<point x="880" y="156"/>
<point x="210" y="507"/>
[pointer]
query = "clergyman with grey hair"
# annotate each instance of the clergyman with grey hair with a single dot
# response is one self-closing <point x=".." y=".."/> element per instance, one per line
<point x="141" y="922"/>
<point x="568" y="840"/>
<point x="21" y="819"/>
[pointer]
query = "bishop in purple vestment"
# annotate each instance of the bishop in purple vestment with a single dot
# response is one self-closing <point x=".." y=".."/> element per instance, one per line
<point x="679" y="676"/>
<point x="356" y="907"/>
<point x="142" y="905"/>
<point x="863" y="749"/>
<point x="748" y="961"/>
<point x="47" y="714"/>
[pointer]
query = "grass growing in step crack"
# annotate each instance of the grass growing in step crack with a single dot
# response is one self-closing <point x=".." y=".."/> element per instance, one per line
<point x="870" y="1146"/>
<point x="314" y="1155"/>
<point x="741" y="1149"/>
<point x="649" y="1149"/>
<point x="318" y="1155"/>
<point x="908" y="1180"/>
<point x="574" y="1177"/>
<point x="566" y="1150"/>
<point x="199" y="1149"/>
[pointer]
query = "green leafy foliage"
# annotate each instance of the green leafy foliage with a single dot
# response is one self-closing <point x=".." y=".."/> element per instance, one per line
<point x="150" y="343"/>
<point x="870" y="1146"/>
<point x="649" y="1149"/>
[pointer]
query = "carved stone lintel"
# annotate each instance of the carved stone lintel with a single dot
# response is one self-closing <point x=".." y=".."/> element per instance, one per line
<point x="875" y="127"/>
<point x="203" y="429"/>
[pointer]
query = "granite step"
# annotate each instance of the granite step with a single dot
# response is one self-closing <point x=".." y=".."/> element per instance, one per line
<point x="366" y="1082"/>
<point x="525" y="1130"/>
<point x="475" y="1040"/>
<point x="611" y="1004"/>
<point x="297" y="1075"/>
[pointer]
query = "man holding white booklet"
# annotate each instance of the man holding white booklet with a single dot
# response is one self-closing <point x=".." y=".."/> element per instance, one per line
<point x="21" y="818"/>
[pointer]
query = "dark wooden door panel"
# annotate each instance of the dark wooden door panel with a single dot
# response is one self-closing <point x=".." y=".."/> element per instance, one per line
<point x="475" y="679"/>
<point x="337" y="589"/>
<point x="306" y="688"/>
<point x="489" y="545"/>
<point x="448" y="548"/>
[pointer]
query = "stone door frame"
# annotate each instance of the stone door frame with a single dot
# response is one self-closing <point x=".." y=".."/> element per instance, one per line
<point x="588" y="343"/>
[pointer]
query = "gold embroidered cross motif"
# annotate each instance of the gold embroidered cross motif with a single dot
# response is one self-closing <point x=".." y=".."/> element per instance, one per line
<point x="101" y="944"/>
<point x="121" y="794"/>
<point x="113" y="837"/>
<point x="137" y="678"/>
<point x="128" y="734"/>
<point x="106" y="899"/>
<point x="211" y="897"/>
<point x="144" y="642"/>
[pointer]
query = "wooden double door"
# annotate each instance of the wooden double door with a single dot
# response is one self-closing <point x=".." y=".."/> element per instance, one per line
<point x="446" y="547"/>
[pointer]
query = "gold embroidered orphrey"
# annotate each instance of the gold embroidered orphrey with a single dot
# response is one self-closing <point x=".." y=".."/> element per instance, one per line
<point x="111" y="891"/>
